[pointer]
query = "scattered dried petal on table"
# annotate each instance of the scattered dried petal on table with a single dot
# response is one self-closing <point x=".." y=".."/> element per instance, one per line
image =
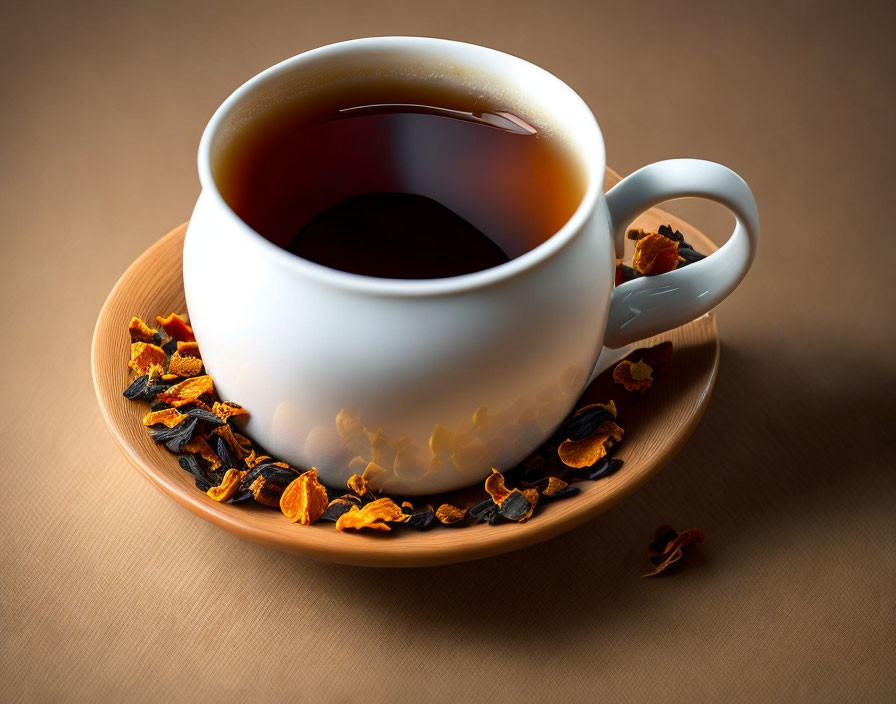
<point x="668" y="547"/>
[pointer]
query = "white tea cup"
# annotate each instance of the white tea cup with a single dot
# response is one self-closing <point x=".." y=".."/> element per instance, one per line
<point x="428" y="384"/>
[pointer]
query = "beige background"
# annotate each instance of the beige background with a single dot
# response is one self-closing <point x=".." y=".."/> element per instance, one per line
<point x="110" y="591"/>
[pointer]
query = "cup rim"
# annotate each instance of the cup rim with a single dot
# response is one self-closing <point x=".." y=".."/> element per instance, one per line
<point x="594" y="163"/>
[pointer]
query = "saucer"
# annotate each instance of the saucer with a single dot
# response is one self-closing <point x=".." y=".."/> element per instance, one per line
<point x="656" y="426"/>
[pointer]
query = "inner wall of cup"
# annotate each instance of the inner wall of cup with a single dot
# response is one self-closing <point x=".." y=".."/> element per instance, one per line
<point x="315" y="85"/>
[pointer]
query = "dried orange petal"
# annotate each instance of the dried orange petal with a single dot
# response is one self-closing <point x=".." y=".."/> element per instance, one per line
<point x="187" y="391"/>
<point x="357" y="484"/>
<point x="228" y="486"/>
<point x="668" y="546"/>
<point x="532" y="496"/>
<point x="374" y="515"/>
<point x="140" y="331"/>
<point x="176" y="327"/>
<point x="225" y="410"/>
<point x="633" y="376"/>
<point x="145" y="355"/>
<point x="169" y="417"/>
<point x="305" y="499"/>
<point x="495" y="487"/>
<point x="198" y="445"/>
<point x="252" y="460"/>
<point x="181" y="365"/>
<point x="449" y="514"/>
<point x="587" y="451"/>
<point x="655" y="254"/>
<point x="554" y="485"/>
<point x="188" y="349"/>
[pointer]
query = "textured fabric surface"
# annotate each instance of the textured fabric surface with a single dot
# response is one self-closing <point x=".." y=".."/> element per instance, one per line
<point x="111" y="592"/>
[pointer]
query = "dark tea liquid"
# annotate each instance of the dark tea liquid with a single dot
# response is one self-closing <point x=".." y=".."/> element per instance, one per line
<point x="401" y="190"/>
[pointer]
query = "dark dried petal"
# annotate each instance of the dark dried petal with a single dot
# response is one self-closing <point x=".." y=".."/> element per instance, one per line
<point x="159" y="406"/>
<point x="177" y="437"/>
<point x="170" y="347"/>
<point x="667" y="231"/>
<point x="422" y="521"/>
<point x="205" y="416"/>
<point x="603" y="468"/>
<point x="137" y="388"/>
<point x="689" y="255"/>
<point x="581" y="425"/>
<point x="274" y="474"/>
<point x="335" y="509"/>
<point x="515" y="506"/>
<point x="482" y="507"/>
<point x="222" y="449"/>
<point x="204" y="480"/>
<point x="241" y="496"/>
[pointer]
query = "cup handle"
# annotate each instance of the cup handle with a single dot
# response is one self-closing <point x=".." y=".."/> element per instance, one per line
<point x="649" y="305"/>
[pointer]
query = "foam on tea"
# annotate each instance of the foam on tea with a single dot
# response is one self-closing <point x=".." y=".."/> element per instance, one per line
<point x="401" y="189"/>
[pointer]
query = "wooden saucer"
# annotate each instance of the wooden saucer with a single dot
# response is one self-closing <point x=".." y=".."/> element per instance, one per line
<point x="657" y="426"/>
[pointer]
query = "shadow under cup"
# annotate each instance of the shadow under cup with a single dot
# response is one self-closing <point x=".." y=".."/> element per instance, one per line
<point x="324" y="131"/>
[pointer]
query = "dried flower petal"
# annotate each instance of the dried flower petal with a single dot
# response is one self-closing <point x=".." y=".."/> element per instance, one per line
<point x="252" y="460"/>
<point x="187" y="391"/>
<point x="225" y="410"/>
<point x="335" y="509"/>
<point x="633" y="376"/>
<point x="180" y="365"/>
<point x="169" y="417"/>
<point x="422" y="521"/>
<point x="141" y="332"/>
<point x="587" y="451"/>
<point x="176" y="438"/>
<point x="199" y="446"/>
<point x="188" y="349"/>
<point x="145" y="355"/>
<point x="305" y="499"/>
<point x="668" y="547"/>
<point x="588" y="419"/>
<point x="448" y="514"/>
<point x="177" y="327"/>
<point x="553" y="485"/>
<point x="357" y="484"/>
<point x="228" y="486"/>
<point x="268" y="481"/>
<point x="495" y="487"/>
<point x="655" y="254"/>
<point x="237" y="449"/>
<point x="374" y="515"/>
<point x="519" y="505"/>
